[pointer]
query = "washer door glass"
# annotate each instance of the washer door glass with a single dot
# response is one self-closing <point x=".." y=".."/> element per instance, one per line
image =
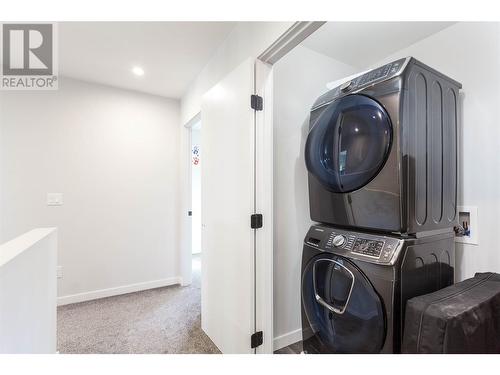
<point x="349" y="143"/>
<point x="343" y="309"/>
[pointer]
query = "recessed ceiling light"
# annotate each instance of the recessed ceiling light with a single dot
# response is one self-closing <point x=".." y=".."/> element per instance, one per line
<point x="138" y="71"/>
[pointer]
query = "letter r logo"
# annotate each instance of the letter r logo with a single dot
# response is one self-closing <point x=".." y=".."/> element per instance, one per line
<point x="27" y="49"/>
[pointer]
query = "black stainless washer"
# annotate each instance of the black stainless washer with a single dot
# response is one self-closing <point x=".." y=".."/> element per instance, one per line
<point x="355" y="286"/>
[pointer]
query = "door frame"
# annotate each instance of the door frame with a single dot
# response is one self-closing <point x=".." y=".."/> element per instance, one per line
<point x="263" y="86"/>
<point x="264" y="237"/>
<point x="264" y="189"/>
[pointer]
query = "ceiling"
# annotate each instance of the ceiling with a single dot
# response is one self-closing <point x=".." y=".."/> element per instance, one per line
<point x="173" y="53"/>
<point x="170" y="53"/>
<point x="361" y="44"/>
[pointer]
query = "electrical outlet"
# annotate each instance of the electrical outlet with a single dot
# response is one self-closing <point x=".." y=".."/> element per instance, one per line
<point x="59" y="272"/>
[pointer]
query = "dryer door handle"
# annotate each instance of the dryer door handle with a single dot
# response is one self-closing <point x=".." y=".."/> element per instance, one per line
<point x="320" y="299"/>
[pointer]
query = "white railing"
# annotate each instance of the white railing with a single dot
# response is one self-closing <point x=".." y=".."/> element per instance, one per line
<point x="28" y="293"/>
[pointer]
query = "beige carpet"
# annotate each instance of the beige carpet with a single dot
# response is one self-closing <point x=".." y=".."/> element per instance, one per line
<point x="163" y="320"/>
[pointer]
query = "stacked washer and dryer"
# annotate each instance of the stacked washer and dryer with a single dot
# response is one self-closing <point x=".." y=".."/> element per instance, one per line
<point x="382" y="160"/>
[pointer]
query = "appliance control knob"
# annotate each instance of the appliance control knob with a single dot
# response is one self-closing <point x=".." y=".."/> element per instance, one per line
<point x="346" y="86"/>
<point x="338" y="240"/>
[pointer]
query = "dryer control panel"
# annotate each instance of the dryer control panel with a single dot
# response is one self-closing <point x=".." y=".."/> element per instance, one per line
<point x="373" y="76"/>
<point x="368" y="247"/>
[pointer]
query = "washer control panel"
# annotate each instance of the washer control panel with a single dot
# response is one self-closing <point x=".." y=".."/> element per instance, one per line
<point x="371" y="248"/>
<point x="368" y="247"/>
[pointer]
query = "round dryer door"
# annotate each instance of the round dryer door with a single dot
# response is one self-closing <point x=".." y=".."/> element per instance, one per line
<point x="349" y="143"/>
<point x="343" y="310"/>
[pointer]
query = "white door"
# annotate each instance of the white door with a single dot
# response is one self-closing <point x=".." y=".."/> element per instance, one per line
<point x="228" y="200"/>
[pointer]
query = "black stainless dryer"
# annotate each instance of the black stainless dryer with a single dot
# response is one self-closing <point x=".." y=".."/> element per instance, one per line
<point x="382" y="151"/>
<point x="355" y="286"/>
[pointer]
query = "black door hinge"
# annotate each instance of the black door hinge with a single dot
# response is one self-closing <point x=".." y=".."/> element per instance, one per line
<point x="256" y="221"/>
<point x="256" y="102"/>
<point x="256" y="339"/>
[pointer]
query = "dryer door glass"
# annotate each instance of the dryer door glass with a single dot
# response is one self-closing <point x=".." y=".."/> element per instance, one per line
<point x="349" y="143"/>
<point x="344" y="312"/>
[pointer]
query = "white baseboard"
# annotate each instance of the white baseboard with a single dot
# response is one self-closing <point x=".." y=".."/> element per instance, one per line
<point x="287" y="339"/>
<point x="101" y="293"/>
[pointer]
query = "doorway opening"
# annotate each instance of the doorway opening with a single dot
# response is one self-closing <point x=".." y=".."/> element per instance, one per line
<point x="196" y="188"/>
<point x="196" y="166"/>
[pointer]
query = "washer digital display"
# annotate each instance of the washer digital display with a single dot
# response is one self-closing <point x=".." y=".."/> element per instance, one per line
<point x="368" y="247"/>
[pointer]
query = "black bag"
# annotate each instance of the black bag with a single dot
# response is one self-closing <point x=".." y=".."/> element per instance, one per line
<point x="462" y="318"/>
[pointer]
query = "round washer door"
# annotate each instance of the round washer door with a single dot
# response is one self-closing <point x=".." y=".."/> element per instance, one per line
<point x="349" y="143"/>
<point x="343" y="309"/>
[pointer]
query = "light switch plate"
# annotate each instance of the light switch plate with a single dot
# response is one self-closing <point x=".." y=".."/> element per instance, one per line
<point x="54" y="199"/>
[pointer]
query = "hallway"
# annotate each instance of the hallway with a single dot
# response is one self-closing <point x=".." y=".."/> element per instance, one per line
<point x="162" y="320"/>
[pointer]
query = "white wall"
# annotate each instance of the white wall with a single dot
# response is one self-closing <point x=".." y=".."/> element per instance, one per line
<point x="114" y="155"/>
<point x="196" y="191"/>
<point x="28" y="292"/>
<point x="299" y="78"/>
<point x="470" y="53"/>
<point x="248" y="39"/>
